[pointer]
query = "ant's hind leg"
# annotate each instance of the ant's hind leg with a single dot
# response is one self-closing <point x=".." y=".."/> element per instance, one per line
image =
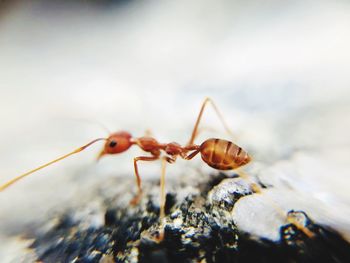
<point x="218" y="113"/>
<point x="255" y="187"/>
<point x="137" y="197"/>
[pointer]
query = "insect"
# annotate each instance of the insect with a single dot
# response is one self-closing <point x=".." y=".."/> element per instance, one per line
<point x="217" y="153"/>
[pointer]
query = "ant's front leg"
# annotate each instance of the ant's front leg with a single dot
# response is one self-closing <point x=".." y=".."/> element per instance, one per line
<point x="137" y="197"/>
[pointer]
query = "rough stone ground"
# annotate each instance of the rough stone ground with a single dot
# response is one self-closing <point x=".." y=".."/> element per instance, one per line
<point x="199" y="229"/>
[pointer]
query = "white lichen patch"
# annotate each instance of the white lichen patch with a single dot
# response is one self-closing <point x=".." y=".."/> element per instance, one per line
<point x="263" y="214"/>
<point x="256" y="216"/>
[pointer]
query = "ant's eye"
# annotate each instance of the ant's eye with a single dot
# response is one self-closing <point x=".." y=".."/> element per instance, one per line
<point x="112" y="144"/>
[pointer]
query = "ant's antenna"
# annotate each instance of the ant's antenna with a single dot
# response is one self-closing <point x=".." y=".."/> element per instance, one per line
<point x="14" y="180"/>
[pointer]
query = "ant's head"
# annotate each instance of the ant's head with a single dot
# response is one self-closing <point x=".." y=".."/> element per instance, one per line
<point x="116" y="143"/>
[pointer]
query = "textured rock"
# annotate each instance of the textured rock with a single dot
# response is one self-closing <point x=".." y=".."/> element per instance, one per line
<point x="199" y="228"/>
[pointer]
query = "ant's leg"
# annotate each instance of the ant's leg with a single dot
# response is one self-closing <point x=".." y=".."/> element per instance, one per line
<point x="163" y="197"/>
<point x="290" y="219"/>
<point x="195" y="129"/>
<point x="137" y="197"/>
<point x="255" y="187"/>
<point x="191" y="155"/>
<point x="162" y="186"/>
<point x="162" y="191"/>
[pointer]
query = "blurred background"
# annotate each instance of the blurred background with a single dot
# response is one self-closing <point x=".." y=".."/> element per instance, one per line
<point x="278" y="70"/>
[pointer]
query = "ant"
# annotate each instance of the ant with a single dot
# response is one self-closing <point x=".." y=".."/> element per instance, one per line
<point x="220" y="154"/>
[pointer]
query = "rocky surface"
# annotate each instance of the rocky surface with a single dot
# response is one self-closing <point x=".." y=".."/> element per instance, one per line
<point x="199" y="228"/>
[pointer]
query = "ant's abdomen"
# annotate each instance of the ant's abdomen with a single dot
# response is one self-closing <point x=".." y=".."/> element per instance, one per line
<point x="223" y="155"/>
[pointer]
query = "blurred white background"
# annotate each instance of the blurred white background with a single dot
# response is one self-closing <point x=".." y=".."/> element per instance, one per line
<point x="278" y="70"/>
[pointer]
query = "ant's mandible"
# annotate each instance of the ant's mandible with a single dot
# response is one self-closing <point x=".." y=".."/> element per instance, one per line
<point x="217" y="153"/>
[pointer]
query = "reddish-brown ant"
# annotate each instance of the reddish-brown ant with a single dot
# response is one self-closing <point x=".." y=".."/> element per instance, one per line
<point x="217" y="153"/>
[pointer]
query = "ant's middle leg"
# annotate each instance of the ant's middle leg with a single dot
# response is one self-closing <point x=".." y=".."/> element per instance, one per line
<point x="163" y="197"/>
<point x="218" y="113"/>
<point x="165" y="159"/>
<point x="137" y="197"/>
